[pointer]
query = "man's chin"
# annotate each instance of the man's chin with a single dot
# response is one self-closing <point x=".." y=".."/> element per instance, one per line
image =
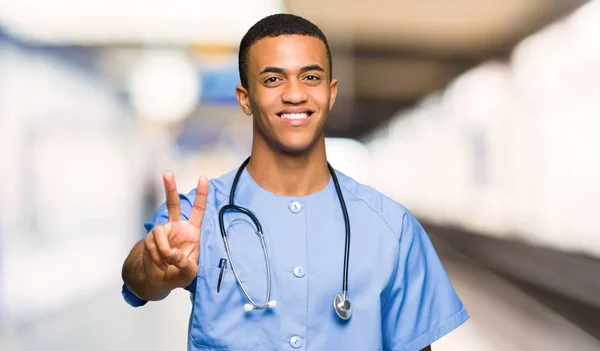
<point x="302" y="149"/>
<point x="299" y="147"/>
<point x="295" y="149"/>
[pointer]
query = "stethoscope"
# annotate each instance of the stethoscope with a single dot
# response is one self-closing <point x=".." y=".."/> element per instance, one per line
<point x="341" y="304"/>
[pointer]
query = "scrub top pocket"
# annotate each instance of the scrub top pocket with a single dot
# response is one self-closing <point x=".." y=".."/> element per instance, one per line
<point x="219" y="321"/>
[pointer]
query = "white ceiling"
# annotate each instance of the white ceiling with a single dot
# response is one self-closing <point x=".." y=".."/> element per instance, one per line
<point x="460" y="25"/>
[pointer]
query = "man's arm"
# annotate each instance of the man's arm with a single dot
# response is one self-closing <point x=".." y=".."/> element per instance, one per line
<point x="428" y="348"/>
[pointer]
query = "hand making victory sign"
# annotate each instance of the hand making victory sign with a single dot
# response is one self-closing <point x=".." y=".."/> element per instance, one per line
<point x="171" y="250"/>
<point x="168" y="257"/>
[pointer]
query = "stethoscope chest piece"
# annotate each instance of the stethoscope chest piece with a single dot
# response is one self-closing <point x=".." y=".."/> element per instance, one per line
<point x="342" y="306"/>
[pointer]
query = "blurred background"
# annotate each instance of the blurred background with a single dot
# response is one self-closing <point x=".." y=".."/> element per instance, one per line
<point x="480" y="116"/>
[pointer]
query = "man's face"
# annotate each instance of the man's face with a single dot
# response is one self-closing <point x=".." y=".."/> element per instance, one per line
<point x="289" y="91"/>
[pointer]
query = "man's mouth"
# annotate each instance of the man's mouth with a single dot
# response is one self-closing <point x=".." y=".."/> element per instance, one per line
<point x="301" y="115"/>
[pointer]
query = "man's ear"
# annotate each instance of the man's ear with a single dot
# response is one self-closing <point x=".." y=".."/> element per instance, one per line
<point x="243" y="99"/>
<point x="333" y="93"/>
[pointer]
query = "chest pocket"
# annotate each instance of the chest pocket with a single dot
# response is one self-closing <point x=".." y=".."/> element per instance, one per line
<point x="219" y="321"/>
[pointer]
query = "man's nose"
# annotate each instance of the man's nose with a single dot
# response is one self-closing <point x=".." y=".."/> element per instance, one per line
<point x="294" y="92"/>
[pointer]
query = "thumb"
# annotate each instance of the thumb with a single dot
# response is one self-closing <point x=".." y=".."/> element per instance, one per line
<point x="188" y="269"/>
<point x="175" y="256"/>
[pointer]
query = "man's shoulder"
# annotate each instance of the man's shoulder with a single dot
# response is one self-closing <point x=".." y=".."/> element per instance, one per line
<point x="391" y="211"/>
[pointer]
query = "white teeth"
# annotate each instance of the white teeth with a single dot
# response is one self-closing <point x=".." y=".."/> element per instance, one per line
<point x="294" y="115"/>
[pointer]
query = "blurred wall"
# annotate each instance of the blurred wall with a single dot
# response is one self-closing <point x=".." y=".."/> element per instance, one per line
<point x="69" y="192"/>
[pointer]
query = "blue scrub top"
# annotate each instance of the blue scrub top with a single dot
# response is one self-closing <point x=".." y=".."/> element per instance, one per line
<point x="400" y="293"/>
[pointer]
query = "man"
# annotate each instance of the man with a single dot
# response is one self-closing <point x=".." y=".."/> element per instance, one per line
<point x="401" y="298"/>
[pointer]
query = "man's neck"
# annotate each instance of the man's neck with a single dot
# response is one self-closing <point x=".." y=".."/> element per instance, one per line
<point x="289" y="174"/>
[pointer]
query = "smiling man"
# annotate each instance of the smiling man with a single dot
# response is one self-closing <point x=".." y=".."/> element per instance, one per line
<point x="285" y="252"/>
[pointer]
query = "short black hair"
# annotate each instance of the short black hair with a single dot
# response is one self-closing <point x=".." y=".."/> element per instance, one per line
<point x="273" y="26"/>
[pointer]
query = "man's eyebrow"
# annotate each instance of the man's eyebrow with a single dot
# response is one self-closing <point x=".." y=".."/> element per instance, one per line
<point x="279" y="70"/>
<point x="271" y="69"/>
<point x="314" y="67"/>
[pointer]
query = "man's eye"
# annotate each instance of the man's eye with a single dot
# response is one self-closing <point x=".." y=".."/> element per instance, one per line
<point x="272" y="80"/>
<point x="311" y="77"/>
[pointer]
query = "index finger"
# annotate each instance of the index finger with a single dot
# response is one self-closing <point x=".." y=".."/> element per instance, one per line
<point x="173" y="206"/>
<point x="199" y="202"/>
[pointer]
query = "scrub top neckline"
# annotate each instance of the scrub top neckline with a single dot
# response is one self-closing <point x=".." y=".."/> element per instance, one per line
<point x="247" y="180"/>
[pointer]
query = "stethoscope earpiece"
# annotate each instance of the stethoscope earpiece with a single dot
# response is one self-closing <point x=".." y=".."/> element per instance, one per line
<point x="249" y="307"/>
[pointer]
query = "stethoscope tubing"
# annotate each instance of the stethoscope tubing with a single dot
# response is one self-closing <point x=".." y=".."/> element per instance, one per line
<point x="233" y="207"/>
<point x="264" y="248"/>
<point x="346" y="226"/>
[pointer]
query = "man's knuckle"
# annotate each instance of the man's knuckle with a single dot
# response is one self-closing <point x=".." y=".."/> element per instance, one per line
<point x="200" y="207"/>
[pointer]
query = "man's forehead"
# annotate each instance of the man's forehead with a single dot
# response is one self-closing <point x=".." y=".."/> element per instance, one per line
<point x="293" y="51"/>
